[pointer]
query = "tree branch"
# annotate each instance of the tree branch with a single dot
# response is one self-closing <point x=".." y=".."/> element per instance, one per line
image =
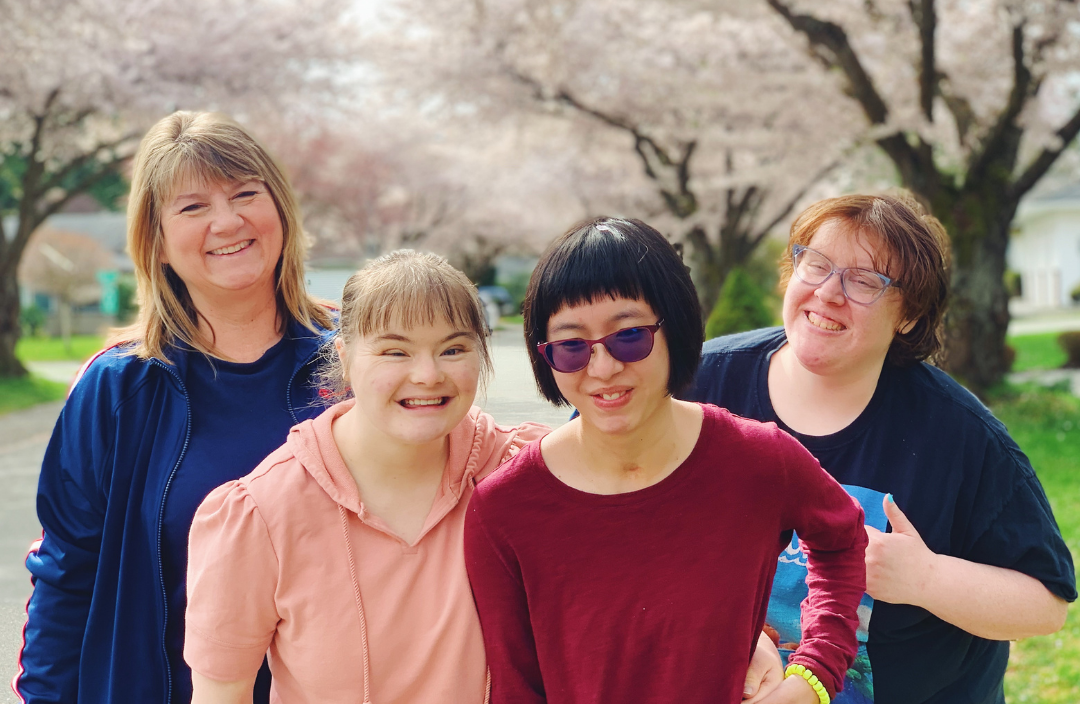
<point x="1039" y="166"/>
<point x="925" y="16"/>
<point x="959" y="106"/>
<point x="831" y="44"/>
<point x="791" y="203"/>
<point x="1002" y="142"/>
<point x="90" y="155"/>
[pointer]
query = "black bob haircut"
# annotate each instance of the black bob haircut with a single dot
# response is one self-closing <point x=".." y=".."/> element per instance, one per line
<point x="610" y="257"/>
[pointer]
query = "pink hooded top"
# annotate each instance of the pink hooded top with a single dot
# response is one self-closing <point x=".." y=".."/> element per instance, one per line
<point x="287" y="560"/>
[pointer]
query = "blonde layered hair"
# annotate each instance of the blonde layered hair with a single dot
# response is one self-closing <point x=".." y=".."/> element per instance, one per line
<point x="208" y="147"/>
<point x="410" y="289"/>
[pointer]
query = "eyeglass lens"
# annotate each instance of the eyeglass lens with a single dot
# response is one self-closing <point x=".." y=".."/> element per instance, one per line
<point x="627" y="345"/>
<point x="860" y="285"/>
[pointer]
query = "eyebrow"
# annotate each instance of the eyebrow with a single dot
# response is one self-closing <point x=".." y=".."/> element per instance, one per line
<point x="618" y="317"/>
<point x="394" y="337"/>
<point x="202" y="194"/>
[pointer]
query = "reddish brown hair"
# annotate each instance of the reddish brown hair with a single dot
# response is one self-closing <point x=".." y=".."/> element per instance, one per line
<point x="909" y="246"/>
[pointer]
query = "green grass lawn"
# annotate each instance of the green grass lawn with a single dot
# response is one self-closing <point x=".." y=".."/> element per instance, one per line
<point x="51" y="349"/>
<point x="28" y="391"/>
<point x="1046" y="425"/>
<point x="1038" y="351"/>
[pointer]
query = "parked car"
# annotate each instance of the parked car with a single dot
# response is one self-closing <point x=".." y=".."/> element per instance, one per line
<point x="497" y="303"/>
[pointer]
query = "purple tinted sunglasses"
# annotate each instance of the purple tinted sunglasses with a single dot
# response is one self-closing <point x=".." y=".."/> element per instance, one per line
<point x="626" y="345"/>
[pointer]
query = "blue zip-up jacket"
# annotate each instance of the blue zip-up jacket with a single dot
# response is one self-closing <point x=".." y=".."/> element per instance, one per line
<point x="96" y="619"/>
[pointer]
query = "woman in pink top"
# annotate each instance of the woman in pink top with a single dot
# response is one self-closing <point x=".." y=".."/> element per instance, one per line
<point x="342" y="552"/>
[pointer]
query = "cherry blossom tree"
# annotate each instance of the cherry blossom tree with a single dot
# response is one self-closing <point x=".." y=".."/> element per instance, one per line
<point x="81" y="79"/>
<point x="713" y="104"/>
<point x="972" y="101"/>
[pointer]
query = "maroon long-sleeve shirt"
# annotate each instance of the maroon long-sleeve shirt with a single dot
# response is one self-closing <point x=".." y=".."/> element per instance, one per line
<point x="658" y="595"/>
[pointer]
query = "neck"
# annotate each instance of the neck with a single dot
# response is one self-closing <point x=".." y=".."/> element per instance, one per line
<point x="818" y="404"/>
<point x="625" y="462"/>
<point x="376" y="460"/>
<point x="238" y="328"/>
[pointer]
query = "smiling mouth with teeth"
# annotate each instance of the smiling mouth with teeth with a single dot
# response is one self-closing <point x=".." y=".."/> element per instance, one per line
<point x="612" y="397"/>
<point x="422" y="402"/>
<point x="232" y="249"/>
<point x="824" y="323"/>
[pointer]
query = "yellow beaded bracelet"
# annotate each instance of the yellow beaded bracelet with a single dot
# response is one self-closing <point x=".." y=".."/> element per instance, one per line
<point x="811" y="679"/>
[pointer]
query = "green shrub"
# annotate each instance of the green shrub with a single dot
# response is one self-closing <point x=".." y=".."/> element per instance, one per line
<point x="516" y="285"/>
<point x="1014" y="284"/>
<point x="32" y="319"/>
<point x="1075" y="294"/>
<point x="1070" y="342"/>
<point x="741" y="307"/>
<point x="127" y="306"/>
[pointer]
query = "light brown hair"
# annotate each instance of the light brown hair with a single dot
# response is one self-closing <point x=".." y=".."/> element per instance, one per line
<point x="410" y="289"/>
<point x="909" y="246"/>
<point x="212" y="147"/>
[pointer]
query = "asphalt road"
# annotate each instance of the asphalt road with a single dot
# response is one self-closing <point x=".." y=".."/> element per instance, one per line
<point x="510" y="397"/>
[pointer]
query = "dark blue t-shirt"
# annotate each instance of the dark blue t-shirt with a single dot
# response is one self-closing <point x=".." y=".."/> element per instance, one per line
<point x="953" y="469"/>
<point x="239" y="415"/>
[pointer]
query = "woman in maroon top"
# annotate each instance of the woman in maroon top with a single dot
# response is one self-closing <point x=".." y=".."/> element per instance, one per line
<point x="629" y="555"/>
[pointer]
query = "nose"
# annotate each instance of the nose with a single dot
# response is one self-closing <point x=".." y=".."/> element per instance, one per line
<point x="426" y="370"/>
<point x="832" y="291"/>
<point x="602" y="365"/>
<point x="224" y="220"/>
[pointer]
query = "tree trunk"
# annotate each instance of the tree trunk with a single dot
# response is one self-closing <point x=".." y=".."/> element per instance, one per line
<point x="10" y="366"/>
<point x="978" y="317"/>
<point x="708" y="268"/>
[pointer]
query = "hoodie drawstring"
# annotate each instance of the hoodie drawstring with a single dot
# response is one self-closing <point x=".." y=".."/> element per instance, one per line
<point x="360" y="605"/>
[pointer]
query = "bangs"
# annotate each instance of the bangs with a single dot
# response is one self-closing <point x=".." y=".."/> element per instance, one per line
<point x="417" y="302"/>
<point x="200" y="164"/>
<point x="601" y="264"/>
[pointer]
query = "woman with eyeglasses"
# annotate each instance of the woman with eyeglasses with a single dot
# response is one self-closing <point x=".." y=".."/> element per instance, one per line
<point x="974" y="558"/>
<point x="627" y="557"/>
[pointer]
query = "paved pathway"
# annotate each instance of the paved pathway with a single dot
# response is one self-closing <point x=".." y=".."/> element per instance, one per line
<point x="511" y="397"/>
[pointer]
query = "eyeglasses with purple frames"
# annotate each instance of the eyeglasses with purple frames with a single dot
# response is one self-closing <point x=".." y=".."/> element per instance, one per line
<point x="626" y="345"/>
<point x="862" y="286"/>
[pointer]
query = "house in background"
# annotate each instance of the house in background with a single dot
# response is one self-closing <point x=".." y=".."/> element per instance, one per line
<point x="1045" y="250"/>
<point x="72" y="268"/>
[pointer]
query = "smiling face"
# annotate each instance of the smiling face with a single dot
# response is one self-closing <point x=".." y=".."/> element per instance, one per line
<point x="829" y="334"/>
<point x="412" y="385"/>
<point x="222" y="238"/>
<point x="612" y="396"/>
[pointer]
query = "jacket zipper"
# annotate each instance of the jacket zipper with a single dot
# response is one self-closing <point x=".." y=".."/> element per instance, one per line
<point x="292" y="380"/>
<point x="165" y="494"/>
<point x="160" y="523"/>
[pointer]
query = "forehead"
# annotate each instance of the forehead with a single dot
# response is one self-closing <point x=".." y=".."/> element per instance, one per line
<point x="850" y="246"/>
<point x="599" y="311"/>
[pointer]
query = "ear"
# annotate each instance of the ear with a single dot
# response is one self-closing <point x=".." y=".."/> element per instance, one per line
<point x="906" y="327"/>
<point x="339" y="347"/>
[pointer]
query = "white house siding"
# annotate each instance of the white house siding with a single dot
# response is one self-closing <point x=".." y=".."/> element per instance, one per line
<point x="1045" y="251"/>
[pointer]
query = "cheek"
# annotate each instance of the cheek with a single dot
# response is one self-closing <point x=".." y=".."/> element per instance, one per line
<point x="372" y="380"/>
<point x="466" y="376"/>
<point x="791" y="302"/>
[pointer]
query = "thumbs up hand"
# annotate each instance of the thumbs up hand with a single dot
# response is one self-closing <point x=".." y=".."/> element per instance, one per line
<point x="898" y="564"/>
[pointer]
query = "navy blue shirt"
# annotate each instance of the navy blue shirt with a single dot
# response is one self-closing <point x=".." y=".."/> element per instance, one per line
<point x="953" y="469"/>
<point x="239" y="415"/>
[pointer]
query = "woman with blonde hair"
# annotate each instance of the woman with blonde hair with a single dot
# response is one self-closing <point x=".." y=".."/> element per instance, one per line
<point x="348" y="539"/>
<point x="204" y="385"/>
